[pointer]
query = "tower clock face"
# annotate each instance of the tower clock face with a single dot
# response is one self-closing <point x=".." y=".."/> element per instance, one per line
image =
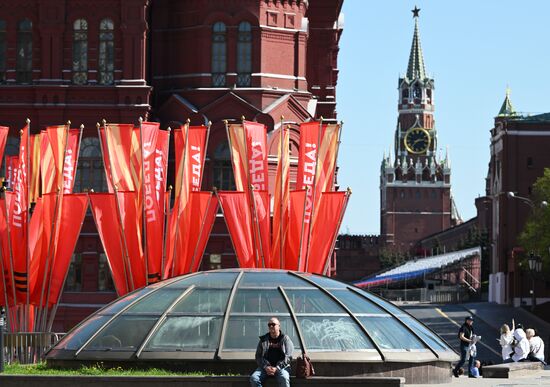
<point x="417" y="140"/>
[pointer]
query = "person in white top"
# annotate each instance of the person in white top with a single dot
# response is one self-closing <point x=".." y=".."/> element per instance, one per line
<point x="506" y="340"/>
<point x="521" y="349"/>
<point x="536" y="346"/>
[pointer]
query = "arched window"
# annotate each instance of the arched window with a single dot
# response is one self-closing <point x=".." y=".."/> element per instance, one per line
<point x="221" y="168"/>
<point x="89" y="173"/>
<point x="106" y="52"/>
<point x="80" y="52"/>
<point x="23" y="69"/>
<point x="219" y="54"/>
<point x="244" y="54"/>
<point x="2" y="51"/>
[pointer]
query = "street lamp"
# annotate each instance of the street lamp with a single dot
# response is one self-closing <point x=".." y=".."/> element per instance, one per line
<point x="512" y="195"/>
<point x="535" y="266"/>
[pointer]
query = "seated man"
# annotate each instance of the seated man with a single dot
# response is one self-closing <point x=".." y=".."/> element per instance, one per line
<point x="273" y="356"/>
<point x="474" y="372"/>
<point x="536" y="346"/>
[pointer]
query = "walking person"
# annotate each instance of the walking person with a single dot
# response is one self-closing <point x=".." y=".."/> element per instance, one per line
<point x="465" y="334"/>
<point x="273" y="356"/>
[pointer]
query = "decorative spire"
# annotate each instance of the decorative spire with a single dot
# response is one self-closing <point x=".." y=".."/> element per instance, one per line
<point x="416" y="69"/>
<point x="507" y="110"/>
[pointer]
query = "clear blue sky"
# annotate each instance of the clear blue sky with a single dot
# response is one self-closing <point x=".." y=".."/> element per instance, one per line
<point x="473" y="49"/>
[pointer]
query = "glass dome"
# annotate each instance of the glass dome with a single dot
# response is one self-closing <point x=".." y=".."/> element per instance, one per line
<point x="218" y="316"/>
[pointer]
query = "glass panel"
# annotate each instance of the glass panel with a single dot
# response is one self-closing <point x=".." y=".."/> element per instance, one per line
<point x="429" y="337"/>
<point x="389" y="333"/>
<point x="312" y="301"/>
<point x="24" y="52"/>
<point x="326" y="283"/>
<point x="356" y="303"/>
<point x="156" y="302"/>
<point x="122" y="303"/>
<point x="73" y="283"/>
<point x="384" y="304"/>
<point x="243" y="332"/>
<point x="206" y="280"/>
<point x="244" y="54"/>
<point x="80" y="334"/>
<point x="126" y="333"/>
<point x="80" y="52"/>
<point x="259" y="301"/>
<point x="203" y="301"/>
<point x="274" y="279"/>
<point x="187" y="333"/>
<point x="106" y="52"/>
<point x="219" y="54"/>
<point x="333" y="333"/>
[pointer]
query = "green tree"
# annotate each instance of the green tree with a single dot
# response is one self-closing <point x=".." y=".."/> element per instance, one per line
<point x="536" y="232"/>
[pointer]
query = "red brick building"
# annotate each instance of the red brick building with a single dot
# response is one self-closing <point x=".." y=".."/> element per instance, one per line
<point x="415" y="183"/>
<point x="166" y="61"/>
<point x="519" y="154"/>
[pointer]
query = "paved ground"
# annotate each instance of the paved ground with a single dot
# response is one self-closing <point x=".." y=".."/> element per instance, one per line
<point x="445" y="320"/>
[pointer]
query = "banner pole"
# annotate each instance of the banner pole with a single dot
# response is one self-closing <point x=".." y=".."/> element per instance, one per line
<point x="122" y="238"/>
<point x="313" y="196"/>
<point x="58" y="209"/>
<point x="143" y="205"/>
<point x="205" y="150"/>
<point x="27" y="221"/>
<point x="215" y="190"/>
<point x="166" y="230"/>
<point x="335" y="236"/>
<point x="4" y="283"/>
<point x="179" y="198"/>
<point x="54" y="310"/>
<point x="166" y="211"/>
<point x="281" y="193"/>
<point x="200" y="236"/>
<point x="252" y="201"/>
<point x="302" y="233"/>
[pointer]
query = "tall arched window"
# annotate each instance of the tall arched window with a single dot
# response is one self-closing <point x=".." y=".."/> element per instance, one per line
<point x="244" y="54"/>
<point x="2" y="51"/>
<point x="89" y="173"/>
<point x="106" y="52"/>
<point x="23" y="68"/>
<point x="219" y="54"/>
<point x="80" y="52"/>
<point x="221" y="168"/>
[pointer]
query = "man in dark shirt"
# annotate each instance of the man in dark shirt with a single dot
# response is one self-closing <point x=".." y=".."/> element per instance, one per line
<point x="273" y="356"/>
<point x="465" y="334"/>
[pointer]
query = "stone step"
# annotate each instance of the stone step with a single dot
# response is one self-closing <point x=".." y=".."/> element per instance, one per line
<point x="512" y="370"/>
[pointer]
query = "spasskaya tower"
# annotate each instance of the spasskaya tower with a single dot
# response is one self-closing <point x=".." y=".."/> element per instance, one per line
<point x="415" y="182"/>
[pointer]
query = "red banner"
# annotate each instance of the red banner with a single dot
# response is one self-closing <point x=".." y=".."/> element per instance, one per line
<point x="208" y="222"/>
<point x="104" y="210"/>
<point x="12" y="162"/>
<point x="70" y="222"/>
<point x="34" y="168"/>
<point x="294" y="237"/>
<point x="130" y="219"/>
<point x="118" y="141"/>
<point x="263" y="225"/>
<point x="237" y="216"/>
<point x="190" y="232"/>
<point x="3" y="139"/>
<point x="155" y="162"/>
<point x="6" y="255"/>
<point x="281" y="200"/>
<point x="18" y="222"/>
<point x="190" y="155"/>
<point x="71" y="160"/>
<point x="237" y="145"/>
<point x="40" y="244"/>
<point x="325" y="230"/>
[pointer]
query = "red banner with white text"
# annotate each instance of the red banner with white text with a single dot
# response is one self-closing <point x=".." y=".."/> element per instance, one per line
<point x="71" y="160"/>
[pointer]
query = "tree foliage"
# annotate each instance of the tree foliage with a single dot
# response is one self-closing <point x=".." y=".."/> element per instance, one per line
<point x="535" y="236"/>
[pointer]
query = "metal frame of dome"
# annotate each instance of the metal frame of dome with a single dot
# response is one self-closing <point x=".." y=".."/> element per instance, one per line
<point x="357" y="326"/>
